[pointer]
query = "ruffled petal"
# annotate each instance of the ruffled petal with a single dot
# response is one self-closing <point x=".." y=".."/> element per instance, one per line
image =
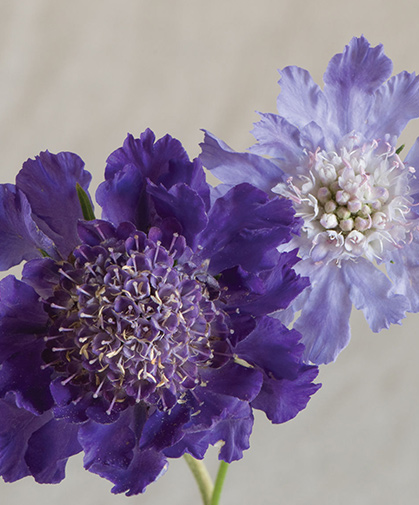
<point x="16" y="427"/>
<point x="234" y="432"/>
<point x="371" y="291"/>
<point x="20" y="237"/>
<point x="350" y="80"/>
<point x="282" y="400"/>
<point x="301" y="100"/>
<point x="244" y="226"/>
<point x="43" y="275"/>
<point x="403" y="270"/>
<point x="50" y="184"/>
<point x="396" y="103"/>
<point x="22" y="317"/>
<point x="273" y="348"/>
<point x="277" y="138"/>
<point x="234" y="168"/>
<point x="324" y="319"/>
<point x="184" y="204"/>
<point x="49" y="449"/>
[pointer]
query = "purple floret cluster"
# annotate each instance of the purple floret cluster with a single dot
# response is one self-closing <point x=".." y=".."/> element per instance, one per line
<point x="145" y="334"/>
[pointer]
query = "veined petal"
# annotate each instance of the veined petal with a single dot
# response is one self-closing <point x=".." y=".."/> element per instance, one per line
<point x="233" y="168"/>
<point x="49" y="449"/>
<point x="16" y="428"/>
<point x="350" y="80"/>
<point x="301" y="100"/>
<point x="20" y="237"/>
<point x="396" y="103"/>
<point x="324" y="319"/>
<point x="371" y="291"/>
<point x="49" y="182"/>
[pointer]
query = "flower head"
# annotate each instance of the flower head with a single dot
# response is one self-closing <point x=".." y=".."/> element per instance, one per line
<point x="334" y="155"/>
<point x="142" y="335"/>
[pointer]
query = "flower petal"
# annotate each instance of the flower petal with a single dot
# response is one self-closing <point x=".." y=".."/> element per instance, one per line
<point x="324" y="319"/>
<point x="49" y="182"/>
<point x="20" y="237"/>
<point x="244" y="226"/>
<point x="301" y="100"/>
<point x="350" y="80"/>
<point x="282" y="400"/>
<point x="49" y="448"/>
<point x="233" y="168"/>
<point x="396" y="103"/>
<point x="16" y="427"/>
<point x="371" y="291"/>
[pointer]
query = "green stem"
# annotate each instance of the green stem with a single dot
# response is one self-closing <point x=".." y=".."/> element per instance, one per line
<point x="202" y="477"/>
<point x="219" y="481"/>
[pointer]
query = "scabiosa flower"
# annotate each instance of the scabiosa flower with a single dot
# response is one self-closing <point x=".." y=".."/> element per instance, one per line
<point x="334" y="154"/>
<point x="143" y="335"/>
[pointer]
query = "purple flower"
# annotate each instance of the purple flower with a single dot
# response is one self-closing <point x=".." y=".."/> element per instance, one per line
<point x="143" y="335"/>
<point x="334" y="155"/>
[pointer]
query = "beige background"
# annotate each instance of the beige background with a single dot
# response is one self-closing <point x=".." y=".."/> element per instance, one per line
<point x="78" y="75"/>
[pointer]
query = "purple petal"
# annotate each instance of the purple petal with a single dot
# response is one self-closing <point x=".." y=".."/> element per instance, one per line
<point x="403" y="270"/>
<point x="282" y="400"/>
<point x="20" y="237"/>
<point x="42" y="275"/>
<point x="396" y="103"/>
<point x="234" y="431"/>
<point x="273" y="348"/>
<point x="108" y="444"/>
<point x="371" y="291"/>
<point x="48" y="451"/>
<point x="185" y="205"/>
<point x="350" y="80"/>
<point x="244" y="226"/>
<point x="301" y="100"/>
<point x="234" y="168"/>
<point x="195" y="444"/>
<point x="233" y="380"/>
<point x="49" y="182"/>
<point x="324" y="320"/>
<point x="277" y="138"/>
<point x="22" y="317"/>
<point x="16" y="427"/>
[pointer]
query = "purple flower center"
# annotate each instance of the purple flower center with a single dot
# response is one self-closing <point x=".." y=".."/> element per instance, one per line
<point x="132" y="323"/>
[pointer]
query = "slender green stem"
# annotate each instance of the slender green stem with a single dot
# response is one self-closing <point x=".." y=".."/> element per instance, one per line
<point x="219" y="481"/>
<point x="202" y="477"/>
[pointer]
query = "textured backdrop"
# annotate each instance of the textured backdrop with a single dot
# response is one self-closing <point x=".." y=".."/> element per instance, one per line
<point x="79" y="75"/>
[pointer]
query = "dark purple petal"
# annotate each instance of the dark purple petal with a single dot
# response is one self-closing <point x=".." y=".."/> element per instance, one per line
<point x="380" y="306"/>
<point x="233" y="380"/>
<point x="233" y="168"/>
<point x="145" y="467"/>
<point x="43" y="275"/>
<point x="22" y="317"/>
<point x="195" y="444"/>
<point x="20" y="237"/>
<point x="282" y="400"/>
<point x="273" y="348"/>
<point x="24" y="375"/>
<point x="49" y="182"/>
<point x="164" y="429"/>
<point x="95" y="232"/>
<point x="16" y="427"/>
<point x="350" y="80"/>
<point x="48" y="451"/>
<point x="234" y="431"/>
<point x="184" y="204"/>
<point x="108" y="444"/>
<point x="244" y="226"/>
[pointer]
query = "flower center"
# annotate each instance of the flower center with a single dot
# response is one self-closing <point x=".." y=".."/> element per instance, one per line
<point x="130" y="324"/>
<point x="354" y="201"/>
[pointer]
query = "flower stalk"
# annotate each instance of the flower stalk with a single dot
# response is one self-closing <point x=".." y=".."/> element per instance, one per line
<point x="210" y="492"/>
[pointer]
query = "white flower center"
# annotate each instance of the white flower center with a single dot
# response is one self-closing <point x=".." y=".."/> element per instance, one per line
<point x="354" y="201"/>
